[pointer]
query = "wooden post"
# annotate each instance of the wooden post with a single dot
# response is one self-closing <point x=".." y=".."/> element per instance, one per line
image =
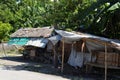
<point x="83" y="46"/>
<point x="87" y="66"/>
<point x="3" y="49"/>
<point x="105" y="61"/>
<point x="55" y="57"/>
<point x="62" y="56"/>
<point x="91" y="56"/>
<point x="83" y="49"/>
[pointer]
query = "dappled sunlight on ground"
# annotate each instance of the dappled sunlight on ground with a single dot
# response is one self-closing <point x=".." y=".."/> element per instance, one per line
<point x="13" y="63"/>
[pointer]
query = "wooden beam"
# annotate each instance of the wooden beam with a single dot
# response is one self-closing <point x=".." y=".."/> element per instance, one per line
<point x="98" y="41"/>
<point x="106" y="61"/>
<point x="63" y="45"/>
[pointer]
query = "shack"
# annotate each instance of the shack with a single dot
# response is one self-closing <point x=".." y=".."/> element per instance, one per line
<point x="89" y="50"/>
<point x="75" y="48"/>
<point x="33" y="40"/>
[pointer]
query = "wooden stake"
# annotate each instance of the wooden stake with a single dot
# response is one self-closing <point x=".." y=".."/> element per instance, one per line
<point x="62" y="56"/>
<point x="55" y="56"/>
<point x="105" y="61"/>
<point x="3" y="49"/>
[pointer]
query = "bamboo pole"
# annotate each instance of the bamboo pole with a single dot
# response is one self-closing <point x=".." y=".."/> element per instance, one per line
<point x="62" y="56"/>
<point x="105" y="61"/>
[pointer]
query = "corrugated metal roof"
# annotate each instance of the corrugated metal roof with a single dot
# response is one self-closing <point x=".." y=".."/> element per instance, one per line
<point x="37" y="42"/>
<point x="18" y="41"/>
<point x="33" y="32"/>
<point x="76" y="36"/>
<point x="55" y="39"/>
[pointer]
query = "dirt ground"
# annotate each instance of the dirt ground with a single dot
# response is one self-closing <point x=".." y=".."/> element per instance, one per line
<point x="15" y="67"/>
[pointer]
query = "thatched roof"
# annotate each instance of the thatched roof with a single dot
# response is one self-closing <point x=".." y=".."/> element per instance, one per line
<point x="33" y="32"/>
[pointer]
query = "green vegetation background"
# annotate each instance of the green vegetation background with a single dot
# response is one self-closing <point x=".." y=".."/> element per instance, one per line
<point x="99" y="17"/>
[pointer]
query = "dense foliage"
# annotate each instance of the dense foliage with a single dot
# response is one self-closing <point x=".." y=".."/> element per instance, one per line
<point x="4" y="30"/>
<point x="100" y="17"/>
<point x="104" y="18"/>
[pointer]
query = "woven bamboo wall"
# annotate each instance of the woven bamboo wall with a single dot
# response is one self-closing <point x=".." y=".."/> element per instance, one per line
<point x="113" y="59"/>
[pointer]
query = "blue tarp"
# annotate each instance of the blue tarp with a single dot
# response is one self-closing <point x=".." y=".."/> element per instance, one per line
<point x="18" y="41"/>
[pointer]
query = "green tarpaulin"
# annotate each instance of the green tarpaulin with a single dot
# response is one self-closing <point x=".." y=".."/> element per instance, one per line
<point x="18" y="41"/>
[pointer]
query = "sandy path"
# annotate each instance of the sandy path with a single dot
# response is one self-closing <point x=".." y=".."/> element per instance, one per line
<point x="27" y="75"/>
<point x="7" y="73"/>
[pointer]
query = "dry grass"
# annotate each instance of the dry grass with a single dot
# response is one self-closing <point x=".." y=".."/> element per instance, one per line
<point x="9" y="53"/>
